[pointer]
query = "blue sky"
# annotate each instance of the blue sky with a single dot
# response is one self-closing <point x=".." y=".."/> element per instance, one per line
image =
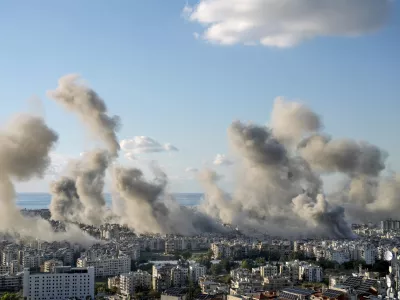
<point x="143" y="59"/>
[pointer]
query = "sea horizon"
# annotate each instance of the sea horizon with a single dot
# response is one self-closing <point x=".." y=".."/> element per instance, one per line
<point x="41" y="200"/>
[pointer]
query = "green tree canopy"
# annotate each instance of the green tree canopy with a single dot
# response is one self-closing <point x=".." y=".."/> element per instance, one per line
<point x="216" y="269"/>
<point x="10" y="296"/>
<point x="186" y="255"/>
<point x="247" y="264"/>
<point x="260" y="261"/>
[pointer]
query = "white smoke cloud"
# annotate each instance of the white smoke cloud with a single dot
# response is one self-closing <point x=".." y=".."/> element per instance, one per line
<point x="222" y="160"/>
<point x="191" y="170"/>
<point x="285" y="23"/>
<point x="144" y="144"/>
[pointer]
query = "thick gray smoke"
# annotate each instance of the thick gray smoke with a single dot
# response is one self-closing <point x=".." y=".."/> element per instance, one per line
<point x="24" y="153"/>
<point x="279" y="184"/>
<point x="79" y="197"/>
<point x="344" y="156"/>
<point x="86" y="103"/>
<point x="149" y="209"/>
<point x="291" y="121"/>
<point x="318" y="213"/>
<point x="65" y="204"/>
<point x="277" y="190"/>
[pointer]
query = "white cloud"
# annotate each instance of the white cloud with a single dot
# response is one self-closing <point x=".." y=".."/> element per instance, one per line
<point x="168" y="147"/>
<point x="191" y="170"/>
<point x="285" y="23"/>
<point x="130" y="156"/>
<point x="222" y="160"/>
<point x="144" y="144"/>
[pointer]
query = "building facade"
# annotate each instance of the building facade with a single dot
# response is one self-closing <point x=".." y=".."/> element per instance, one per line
<point x="64" y="283"/>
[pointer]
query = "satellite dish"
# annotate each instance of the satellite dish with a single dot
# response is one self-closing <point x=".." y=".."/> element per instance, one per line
<point x="388" y="256"/>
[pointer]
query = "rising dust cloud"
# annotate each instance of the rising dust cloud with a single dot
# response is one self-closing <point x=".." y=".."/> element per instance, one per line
<point x="278" y="187"/>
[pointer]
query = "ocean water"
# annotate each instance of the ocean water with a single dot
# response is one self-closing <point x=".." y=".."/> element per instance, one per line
<point x="42" y="200"/>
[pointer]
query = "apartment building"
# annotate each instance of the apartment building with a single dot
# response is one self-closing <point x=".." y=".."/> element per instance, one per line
<point x="11" y="282"/>
<point x="269" y="270"/>
<point x="64" y="283"/>
<point x="105" y="266"/>
<point x="161" y="276"/>
<point x="50" y="265"/>
<point x="310" y="273"/>
<point x="196" y="271"/>
<point x="128" y="282"/>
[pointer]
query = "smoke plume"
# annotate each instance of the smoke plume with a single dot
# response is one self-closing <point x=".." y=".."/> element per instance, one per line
<point x="79" y="197"/>
<point x="291" y="121"/>
<point x="25" y="145"/>
<point x="86" y="103"/>
<point x="149" y="209"/>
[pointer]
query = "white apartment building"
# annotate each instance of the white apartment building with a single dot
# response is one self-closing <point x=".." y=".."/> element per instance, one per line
<point x="129" y="281"/>
<point x="106" y="266"/>
<point x="310" y="273"/>
<point x="64" y="283"/>
<point x="196" y="271"/>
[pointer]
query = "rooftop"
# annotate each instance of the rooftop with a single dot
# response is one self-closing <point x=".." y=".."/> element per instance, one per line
<point x="175" y="291"/>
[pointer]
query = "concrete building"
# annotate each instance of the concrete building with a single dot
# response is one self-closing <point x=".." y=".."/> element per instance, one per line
<point x="269" y="270"/>
<point x="275" y="283"/>
<point x="32" y="261"/>
<point x="64" y="283"/>
<point x="11" y="282"/>
<point x="310" y="273"/>
<point x="174" y="294"/>
<point x="50" y="265"/>
<point x="105" y="266"/>
<point x="161" y="277"/>
<point x="128" y="282"/>
<point x="196" y="271"/>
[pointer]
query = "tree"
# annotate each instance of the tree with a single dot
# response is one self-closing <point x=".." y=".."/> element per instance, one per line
<point x="205" y="261"/>
<point x="186" y="255"/>
<point x="210" y="253"/>
<point x="216" y="269"/>
<point x="297" y="255"/>
<point x="114" y="290"/>
<point x="139" y="295"/>
<point x="247" y="264"/>
<point x="226" y="264"/>
<point x="154" y="294"/>
<point x="260" y="261"/>
<point x="10" y="296"/>
<point x="380" y="266"/>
